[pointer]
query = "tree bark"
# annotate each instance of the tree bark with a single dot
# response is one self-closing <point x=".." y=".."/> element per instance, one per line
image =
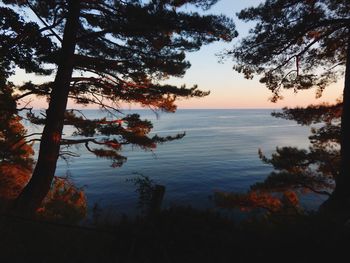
<point x="342" y="189"/>
<point x="39" y="185"/>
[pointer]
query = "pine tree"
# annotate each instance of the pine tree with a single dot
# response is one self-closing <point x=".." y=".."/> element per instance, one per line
<point x="16" y="154"/>
<point x="22" y="45"/>
<point x="123" y="49"/>
<point x="300" y="45"/>
<point x="296" y="171"/>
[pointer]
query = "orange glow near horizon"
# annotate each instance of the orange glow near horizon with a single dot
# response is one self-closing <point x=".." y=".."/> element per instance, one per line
<point x="231" y="100"/>
<point x="249" y="94"/>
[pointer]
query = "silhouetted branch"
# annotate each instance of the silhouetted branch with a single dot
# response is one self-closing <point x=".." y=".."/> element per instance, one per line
<point x="314" y="190"/>
<point x="44" y="22"/>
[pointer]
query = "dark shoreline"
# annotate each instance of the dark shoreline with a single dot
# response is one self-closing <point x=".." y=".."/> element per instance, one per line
<point x="176" y="235"/>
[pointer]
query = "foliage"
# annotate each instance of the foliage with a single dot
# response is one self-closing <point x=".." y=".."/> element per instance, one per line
<point x="297" y="171"/>
<point x="318" y="167"/>
<point x="145" y="188"/>
<point x="288" y="202"/>
<point x="13" y="146"/>
<point x="16" y="155"/>
<point x="64" y="203"/>
<point x="102" y="53"/>
<point x="300" y="45"/>
<point x="21" y="45"/>
<point x="124" y="49"/>
<point x="295" y="44"/>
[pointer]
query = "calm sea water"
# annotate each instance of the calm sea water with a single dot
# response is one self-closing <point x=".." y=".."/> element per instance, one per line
<point x="219" y="152"/>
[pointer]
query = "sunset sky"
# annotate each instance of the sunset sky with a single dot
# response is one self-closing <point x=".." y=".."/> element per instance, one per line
<point x="228" y="88"/>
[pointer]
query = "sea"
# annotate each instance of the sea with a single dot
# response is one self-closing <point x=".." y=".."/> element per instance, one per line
<point x="218" y="153"/>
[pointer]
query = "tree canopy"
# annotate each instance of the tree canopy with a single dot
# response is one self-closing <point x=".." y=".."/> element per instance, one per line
<point x="102" y="53"/>
<point x="295" y="44"/>
<point x="300" y="45"/>
<point x="126" y="46"/>
<point x="16" y="153"/>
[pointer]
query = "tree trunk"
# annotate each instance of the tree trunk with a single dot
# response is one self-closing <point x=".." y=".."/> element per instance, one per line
<point x="342" y="189"/>
<point x="39" y="185"/>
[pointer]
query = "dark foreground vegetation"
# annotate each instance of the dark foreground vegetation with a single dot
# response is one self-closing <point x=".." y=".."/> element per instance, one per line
<point x="177" y="235"/>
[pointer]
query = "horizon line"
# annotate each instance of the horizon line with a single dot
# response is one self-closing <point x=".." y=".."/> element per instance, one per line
<point x="124" y="109"/>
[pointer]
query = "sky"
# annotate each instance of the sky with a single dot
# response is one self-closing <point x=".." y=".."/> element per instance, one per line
<point x="228" y="88"/>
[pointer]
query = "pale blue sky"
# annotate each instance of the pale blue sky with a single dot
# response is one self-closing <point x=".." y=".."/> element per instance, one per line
<point x="228" y="88"/>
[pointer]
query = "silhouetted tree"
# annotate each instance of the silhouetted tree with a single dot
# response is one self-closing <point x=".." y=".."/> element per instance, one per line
<point x="314" y="169"/>
<point x="16" y="154"/>
<point x="21" y="44"/>
<point x="297" y="171"/>
<point x="299" y="45"/>
<point x="123" y="49"/>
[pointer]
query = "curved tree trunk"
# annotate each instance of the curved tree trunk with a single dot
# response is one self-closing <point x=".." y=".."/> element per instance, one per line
<point x="341" y="193"/>
<point x="39" y="185"/>
<point x="338" y="205"/>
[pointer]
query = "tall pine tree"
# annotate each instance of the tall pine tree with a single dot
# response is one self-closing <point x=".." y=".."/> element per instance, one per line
<point x="300" y="45"/>
<point x="123" y="50"/>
